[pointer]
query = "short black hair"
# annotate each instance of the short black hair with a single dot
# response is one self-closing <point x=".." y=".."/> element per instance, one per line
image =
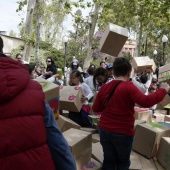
<point x="30" y="68"/>
<point x="144" y="78"/>
<point x="1" y="45"/>
<point x="121" y="66"/>
<point x="102" y="62"/>
<point x="91" y="71"/>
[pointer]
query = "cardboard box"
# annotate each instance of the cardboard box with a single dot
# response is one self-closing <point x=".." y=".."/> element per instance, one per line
<point x="70" y="98"/>
<point x="143" y="114"/>
<point x="50" y="90"/>
<point x="83" y="158"/>
<point x="91" y="130"/>
<point x="66" y="124"/>
<point x="113" y="39"/>
<point x="141" y="64"/>
<point x="164" y="112"/>
<point x="167" y="118"/>
<point x="164" y="153"/>
<point x="164" y="74"/>
<point x="95" y="138"/>
<point x="92" y="165"/>
<point x="165" y="101"/>
<point x="97" y="152"/>
<point x="147" y="138"/>
<point x="138" y="122"/>
<point x="80" y="143"/>
<point x="159" y="117"/>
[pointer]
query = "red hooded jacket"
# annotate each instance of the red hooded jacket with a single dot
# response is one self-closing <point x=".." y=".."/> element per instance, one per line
<point x="22" y="131"/>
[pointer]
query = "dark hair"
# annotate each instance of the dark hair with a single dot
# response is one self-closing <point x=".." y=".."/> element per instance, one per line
<point x="78" y="74"/>
<point x="91" y="71"/>
<point x="92" y="66"/>
<point x="121" y="66"/>
<point x="52" y="62"/>
<point x="102" y="62"/>
<point x="72" y="65"/>
<point x="143" y="78"/>
<point x="100" y="72"/>
<point x="29" y="67"/>
<point x="1" y="45"/>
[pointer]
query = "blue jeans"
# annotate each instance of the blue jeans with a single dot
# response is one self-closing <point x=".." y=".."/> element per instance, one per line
<point x="117" y="149"/>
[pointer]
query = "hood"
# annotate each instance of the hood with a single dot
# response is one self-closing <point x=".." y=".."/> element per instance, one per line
<point x="14" y="77"/>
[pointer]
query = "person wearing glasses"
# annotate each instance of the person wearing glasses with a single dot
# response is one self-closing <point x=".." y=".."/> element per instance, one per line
<point x="51" y="68"/>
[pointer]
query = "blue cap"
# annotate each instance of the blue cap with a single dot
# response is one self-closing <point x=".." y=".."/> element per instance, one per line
<point x="109" y="66"/>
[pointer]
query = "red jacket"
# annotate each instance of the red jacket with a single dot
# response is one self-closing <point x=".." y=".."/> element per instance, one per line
<point x="118" y="117"/>
<point x="22" y="131"/>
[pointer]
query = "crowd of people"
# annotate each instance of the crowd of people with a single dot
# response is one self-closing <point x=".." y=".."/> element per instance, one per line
<point x="27" y="116"/>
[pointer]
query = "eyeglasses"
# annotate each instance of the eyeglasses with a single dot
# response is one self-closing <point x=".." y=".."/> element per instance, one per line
<point x="48" y="61"/>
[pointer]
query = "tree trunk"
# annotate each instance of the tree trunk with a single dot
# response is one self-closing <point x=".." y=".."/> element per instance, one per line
<point x="37" y="35"/>
<point x="28" y="29"/>
<point x="140" y="39"/>
<point x="93" y="23"/>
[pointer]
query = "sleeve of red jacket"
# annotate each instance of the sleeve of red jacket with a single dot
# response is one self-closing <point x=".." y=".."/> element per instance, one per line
<point x="146" y="100"/>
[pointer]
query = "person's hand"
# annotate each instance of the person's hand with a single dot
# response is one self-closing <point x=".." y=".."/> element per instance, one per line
<point x="83" y="98"/>
<point x="165" y="86"/>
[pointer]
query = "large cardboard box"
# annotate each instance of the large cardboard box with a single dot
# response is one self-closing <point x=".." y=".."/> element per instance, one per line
<point x="143" y="114"/>
<point x="138" y="122"/>
<point x="164" y="112"/>
<point x="164" y="153"/>
<point x="80" y="143"/>
<point x="92" y="165"/>
<point x="91" y="130"/>
<point x="164" y="74"/>
<point x="66" y="124"/>
<point x="159" y="117"/>
<point x="147" y="138"/>
<point x="95" y="138"/>
<point x="97" y="152"/>
<point x="113" y="39"/>
<point x="51" y="92"/>
<point x="141" y="64"/>
<point x="167" y="118"/>
<point x="70" y="98"/>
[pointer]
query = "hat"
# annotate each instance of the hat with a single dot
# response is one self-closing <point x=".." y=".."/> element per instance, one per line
<point x="109" y="66"/>
<point x="74" y="64"/>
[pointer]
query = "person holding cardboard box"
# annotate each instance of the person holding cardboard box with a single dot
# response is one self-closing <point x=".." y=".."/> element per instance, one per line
<point x="81" y="118"/>
<point x="115" y="101"/>
<point x="31" y="137"/>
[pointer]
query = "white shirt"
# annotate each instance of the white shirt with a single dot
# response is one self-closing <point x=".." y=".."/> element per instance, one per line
<point x="87" y="92"/>
<point x="89" y="82"/>
<point x="143" y="87"/>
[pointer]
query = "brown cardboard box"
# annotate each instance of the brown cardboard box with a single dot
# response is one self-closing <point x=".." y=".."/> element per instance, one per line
<point x="164" y="112"/>
<point x="138" y="122"/>
<point x="83" y="158"/>
<point x="66" y="123"/>
<point x="113" y="39"/>
<point x="70" y="98"/>
<point x="140" y="64"/>
<point x="147" y="138"/>
<point x="80" y="143"/>
<point x="167" y="118"/>
<point x="50" y="90"/>
<point x="92" y="165"/>
<point x="143" y="114"/>
<point x="164" y="74"/>
<point x="159" y="117"/>
<point x="91" y="130"/>
<point x="164" y="153"/>
<point x="95" y="138"/>
<point x="97" y="152"/>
